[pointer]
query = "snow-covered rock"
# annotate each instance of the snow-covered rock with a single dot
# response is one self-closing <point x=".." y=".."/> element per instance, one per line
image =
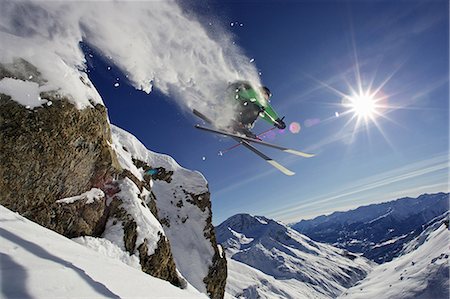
<point x="281" y="262"/>
<point x="183" y="206"/>
<point x="423" y="272"/>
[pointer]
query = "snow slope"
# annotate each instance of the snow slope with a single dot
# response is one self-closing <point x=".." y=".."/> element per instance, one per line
<point x="39" y="263"/>
<point x="421" y="273"/>
<point x="245" y="281"/>
<point x="266" y="259"/>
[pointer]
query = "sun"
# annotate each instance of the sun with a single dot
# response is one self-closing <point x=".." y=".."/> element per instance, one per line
<point x="363" y="105"/>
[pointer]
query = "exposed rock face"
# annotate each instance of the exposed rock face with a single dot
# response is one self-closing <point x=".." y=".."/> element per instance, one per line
<point x="161" y="263"/>
<point x="81" y="218"/>
<point x="217" y="276"/>
<point x="51" y="153"/>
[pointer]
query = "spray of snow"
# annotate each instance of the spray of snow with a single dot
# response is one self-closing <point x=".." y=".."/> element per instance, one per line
<point x="155" y="43"/>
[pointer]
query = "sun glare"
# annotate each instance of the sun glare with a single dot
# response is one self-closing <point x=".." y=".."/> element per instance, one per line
<point x="362" y="105"/>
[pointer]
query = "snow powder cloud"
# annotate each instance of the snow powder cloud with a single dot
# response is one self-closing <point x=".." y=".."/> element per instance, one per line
<point x="156" y="43"/>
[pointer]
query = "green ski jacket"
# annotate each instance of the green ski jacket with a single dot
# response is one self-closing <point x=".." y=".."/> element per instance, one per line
<point x="250" y="101"/>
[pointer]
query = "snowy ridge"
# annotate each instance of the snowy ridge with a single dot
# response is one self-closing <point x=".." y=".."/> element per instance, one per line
<point x="25" y="92"/>
<point x="37" y="262"/>
<point x="432" y="225"/>
<point x="281" y="262"/>
<point x="421" y="273"/>
<point x="184" y="222"/>
<point x="390" y="210"/>
<point x="388" y="242"/>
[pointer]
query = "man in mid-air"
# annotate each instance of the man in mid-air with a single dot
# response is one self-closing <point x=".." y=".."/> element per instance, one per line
<point x="251" y="103"/>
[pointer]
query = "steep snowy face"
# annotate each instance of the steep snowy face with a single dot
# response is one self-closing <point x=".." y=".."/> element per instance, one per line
<point x="379" y="231"/>
<point x="285" y="255"/>
<point x="182" y="204"/>
<point x="421" y="272"/>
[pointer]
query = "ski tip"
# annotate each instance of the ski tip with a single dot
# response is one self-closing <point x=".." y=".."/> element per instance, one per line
<point x="280" y="167"/>
<point x="299" y="153"/>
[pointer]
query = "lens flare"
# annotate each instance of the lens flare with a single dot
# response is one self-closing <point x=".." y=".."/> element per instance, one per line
<point x="294" y="127"/>
<point x="269" y="135"/>
<point x="311" y="122"/>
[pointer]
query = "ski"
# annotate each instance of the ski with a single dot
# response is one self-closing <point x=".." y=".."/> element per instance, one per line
<point x="250" y="147"/>
<point x="239" y="144"/>
<point x="202" y="116"/>
<point x="284" y="149"/>
<point x="266" y="158"/>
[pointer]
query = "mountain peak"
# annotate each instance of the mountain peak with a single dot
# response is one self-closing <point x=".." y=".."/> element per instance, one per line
<point x="282" y="254"/>
<point x="244" y="227"/>
<point x="244" y="220"/>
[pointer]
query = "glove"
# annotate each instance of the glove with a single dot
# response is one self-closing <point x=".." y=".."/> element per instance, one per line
<point x="279" y="123"/>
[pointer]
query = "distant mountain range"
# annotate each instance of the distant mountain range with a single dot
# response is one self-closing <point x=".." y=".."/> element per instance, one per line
<point x="421" y="271"/>
<point x="267" y="259"/>
<point x="378" y="231"/>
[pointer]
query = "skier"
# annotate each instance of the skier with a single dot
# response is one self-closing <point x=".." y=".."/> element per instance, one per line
<point x="250" y="103"/>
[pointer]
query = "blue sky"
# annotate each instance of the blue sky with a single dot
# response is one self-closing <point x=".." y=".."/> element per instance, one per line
<point x="310" y="54"/>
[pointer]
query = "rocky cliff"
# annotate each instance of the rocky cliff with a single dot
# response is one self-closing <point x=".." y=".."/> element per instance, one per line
<point x="181" y="200"/>
<point x="60" y="167"/>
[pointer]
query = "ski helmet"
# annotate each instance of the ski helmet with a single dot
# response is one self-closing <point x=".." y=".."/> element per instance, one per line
<point x="266" y="90"/>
